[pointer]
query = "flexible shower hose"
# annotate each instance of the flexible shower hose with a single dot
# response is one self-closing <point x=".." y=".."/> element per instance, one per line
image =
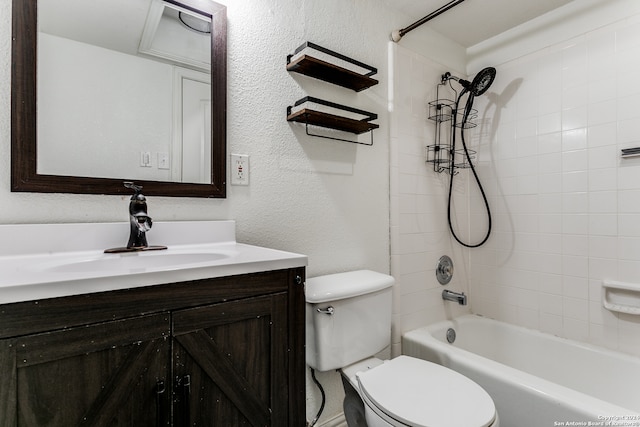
<point x="465" y="117"/>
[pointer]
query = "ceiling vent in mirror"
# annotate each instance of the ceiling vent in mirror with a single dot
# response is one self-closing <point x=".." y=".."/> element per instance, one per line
<point x="177" y="35"/>
<point x="195" y="23"/>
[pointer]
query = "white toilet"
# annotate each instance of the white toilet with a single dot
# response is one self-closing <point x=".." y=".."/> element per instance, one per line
<point x="348" y="319"/>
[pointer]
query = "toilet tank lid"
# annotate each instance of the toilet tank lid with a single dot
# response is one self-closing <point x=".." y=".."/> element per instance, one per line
<point x="339" y="286"/>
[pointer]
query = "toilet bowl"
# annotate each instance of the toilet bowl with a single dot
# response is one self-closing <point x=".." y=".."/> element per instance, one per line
<point x="406" y="391"/>
<point x="348" y="323"/>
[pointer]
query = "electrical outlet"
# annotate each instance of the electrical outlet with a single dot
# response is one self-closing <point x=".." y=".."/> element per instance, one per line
<point x="239" y="169"/>
<point x="163" y="160"/>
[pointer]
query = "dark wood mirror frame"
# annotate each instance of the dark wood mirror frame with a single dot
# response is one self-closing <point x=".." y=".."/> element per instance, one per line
<point x="24" y="175"/>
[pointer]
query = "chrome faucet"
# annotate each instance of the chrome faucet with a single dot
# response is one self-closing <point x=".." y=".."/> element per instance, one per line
<point x="460" y="297"/>
<point x="139" y="221"/>
<point x="139" y="224"/>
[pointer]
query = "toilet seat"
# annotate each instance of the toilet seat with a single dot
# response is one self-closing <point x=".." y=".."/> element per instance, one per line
<point x="423" y="394"/>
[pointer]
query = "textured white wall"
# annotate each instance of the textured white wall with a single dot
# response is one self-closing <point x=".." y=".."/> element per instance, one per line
<point x="325" y="199"/>
<point x="329" y="200"/>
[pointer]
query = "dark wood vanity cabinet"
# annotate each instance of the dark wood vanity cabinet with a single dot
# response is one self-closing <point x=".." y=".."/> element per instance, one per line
<point x="216" y="352"/>
<point x="230" y="363"/>
<point x="98" y="375"/>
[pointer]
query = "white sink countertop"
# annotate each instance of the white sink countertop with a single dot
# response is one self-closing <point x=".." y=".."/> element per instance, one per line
<point x="39" y="261"/>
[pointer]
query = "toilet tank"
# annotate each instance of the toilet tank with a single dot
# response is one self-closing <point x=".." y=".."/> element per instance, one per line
<point x="348" y="318"/>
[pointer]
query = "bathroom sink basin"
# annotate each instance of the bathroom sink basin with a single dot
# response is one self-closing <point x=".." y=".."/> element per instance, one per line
<point x="135" y="261"/>
<point x="41" y="261"/>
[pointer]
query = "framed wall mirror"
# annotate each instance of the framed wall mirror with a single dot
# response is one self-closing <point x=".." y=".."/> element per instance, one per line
<point x="109" y="91"/>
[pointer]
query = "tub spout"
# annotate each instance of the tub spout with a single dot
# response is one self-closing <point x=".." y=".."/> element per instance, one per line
<point x="460" y="297"/>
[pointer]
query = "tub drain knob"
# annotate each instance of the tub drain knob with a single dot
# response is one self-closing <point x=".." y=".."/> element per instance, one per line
<point x="451" y="335"/>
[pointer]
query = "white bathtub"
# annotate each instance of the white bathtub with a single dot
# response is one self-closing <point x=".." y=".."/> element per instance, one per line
<point x="535" y="379"/>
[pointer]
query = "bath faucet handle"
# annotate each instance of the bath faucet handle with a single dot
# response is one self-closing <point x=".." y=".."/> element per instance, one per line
<point x="444" y="270"/>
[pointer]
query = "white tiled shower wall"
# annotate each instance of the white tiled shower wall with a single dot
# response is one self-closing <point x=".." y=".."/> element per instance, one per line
<point x="566" y="207"/>
<point x="419" y="230"/>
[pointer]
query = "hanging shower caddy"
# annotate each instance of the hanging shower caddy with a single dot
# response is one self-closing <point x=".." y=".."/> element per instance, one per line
<point x="442" y="111"/>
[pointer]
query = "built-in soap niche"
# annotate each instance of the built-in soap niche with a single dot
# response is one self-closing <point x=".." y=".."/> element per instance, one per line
<point x="321" y="63"/>
<point x="621" y="297"/>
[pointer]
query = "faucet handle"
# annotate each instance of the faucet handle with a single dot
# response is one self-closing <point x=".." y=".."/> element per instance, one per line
<point x="134" y="187"/>
<point x="143" y="221"/>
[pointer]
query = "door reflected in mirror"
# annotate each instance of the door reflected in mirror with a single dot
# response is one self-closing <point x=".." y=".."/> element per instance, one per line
<point x="125" y="105"/>
<point x="126" y="90"/>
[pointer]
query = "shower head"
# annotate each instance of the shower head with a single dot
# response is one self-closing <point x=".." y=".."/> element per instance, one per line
<point x="480" y="83"/>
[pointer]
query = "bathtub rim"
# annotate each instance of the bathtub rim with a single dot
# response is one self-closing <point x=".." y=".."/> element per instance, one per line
<point x="544" y="388"/>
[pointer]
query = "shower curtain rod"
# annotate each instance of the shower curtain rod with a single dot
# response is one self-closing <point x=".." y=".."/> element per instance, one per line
<point x="398" y="34"/>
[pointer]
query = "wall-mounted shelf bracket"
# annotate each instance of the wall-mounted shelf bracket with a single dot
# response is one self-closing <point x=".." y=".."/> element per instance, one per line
<point x="351" y="120"/>
<point x="357" y="79"/>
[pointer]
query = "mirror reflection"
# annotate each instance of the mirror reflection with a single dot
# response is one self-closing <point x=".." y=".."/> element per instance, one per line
<point x="124" y="90"/>
<point x="80" y="106"/>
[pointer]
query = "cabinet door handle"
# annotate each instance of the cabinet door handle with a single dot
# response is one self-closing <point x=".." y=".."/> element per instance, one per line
<point x="160" y="389"/>
<point x="185" y="383"/>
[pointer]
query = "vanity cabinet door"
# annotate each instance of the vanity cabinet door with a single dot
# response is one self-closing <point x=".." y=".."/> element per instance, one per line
<point x="108" y="374"/>
<point x="231" y="363"/>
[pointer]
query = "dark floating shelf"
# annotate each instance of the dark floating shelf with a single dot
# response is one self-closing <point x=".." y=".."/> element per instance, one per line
<point x="311" y="117"/>
<point x="323" y="70"/>
<point x="317" y="118"/>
